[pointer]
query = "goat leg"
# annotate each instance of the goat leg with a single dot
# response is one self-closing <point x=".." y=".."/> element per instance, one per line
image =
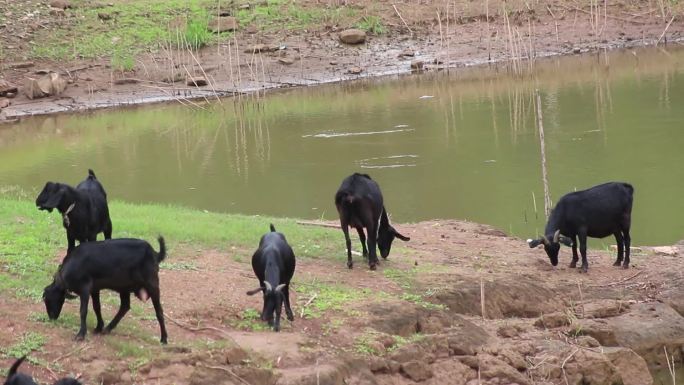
<point x="288" y="309"/>
<point x="345" y="230"/>
<point x="98" y="313"/>
<point x="85" y="294"/>
<point x="362" y="237"/>
<point x="123" y="309"/>
<point x="153" y="291"/>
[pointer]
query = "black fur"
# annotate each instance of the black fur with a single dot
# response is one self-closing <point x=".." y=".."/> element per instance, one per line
<point x="89" y="215"/>
<point x="15" y="378"/>
<point x="274" y="265"/>
<point x="360" y="205"/>
<point x="597" y="212"/>
<point x="122" y="265"/>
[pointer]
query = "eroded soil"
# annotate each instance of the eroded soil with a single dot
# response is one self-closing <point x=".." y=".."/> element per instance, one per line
<point x="417" y="318"/>
<point x="465" y="34"/>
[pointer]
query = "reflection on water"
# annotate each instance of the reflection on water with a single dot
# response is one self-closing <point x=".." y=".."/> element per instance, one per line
<point x="459" y="146"/>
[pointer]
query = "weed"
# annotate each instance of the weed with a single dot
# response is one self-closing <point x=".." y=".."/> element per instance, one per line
<point x="177" y="266"/>
<point x="366" y="344"/>
<point x="28" y="343"/>
<point x="197" y="34"/>
<point x="122" y="61"/>
<point x="250" y="319"/>
<point x="419" y="300"/>
<point x="400" y="341"/>
<point x="372" y="24"/>
<point x="328" y="297"/>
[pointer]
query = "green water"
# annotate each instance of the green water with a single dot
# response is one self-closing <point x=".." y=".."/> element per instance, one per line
<point x="460" y="146"/>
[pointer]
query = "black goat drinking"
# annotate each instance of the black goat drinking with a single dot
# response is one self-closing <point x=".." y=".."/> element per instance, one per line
<point x="122" y="265"/>
<point x="360" y="205"/>
<point x="84" y="209"/>
<point x="596" y="212"/>
<point x="15" y="378"/>
<point x="274" y="266"/>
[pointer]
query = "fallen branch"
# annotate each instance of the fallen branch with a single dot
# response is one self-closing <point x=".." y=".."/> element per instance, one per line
<point x="321" y="224"/>
<point x="664" y="31"/>
<point x="78" y="350"/>
<point x="313" y="297"/>
<point x="242" y="380"/>
<point x="402" y="19"/>
<point x="196" y="329"/>
<point x="620" y="281"/>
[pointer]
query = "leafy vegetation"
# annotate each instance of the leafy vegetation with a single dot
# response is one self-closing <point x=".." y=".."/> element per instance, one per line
<point x="29" y="342"/>
<point x="372" y="24"/>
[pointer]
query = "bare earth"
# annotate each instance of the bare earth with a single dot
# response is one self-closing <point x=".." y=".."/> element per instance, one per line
<point x="385" y="336"/>
<point x="316" y="56"/>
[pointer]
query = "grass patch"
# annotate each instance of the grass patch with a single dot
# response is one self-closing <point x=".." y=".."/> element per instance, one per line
<point x="32" y="241"/>
<point x="250" y="320"/>
<point x="178" y="266"/>
<point x="372" y="24"/>
<point x="197" y="34"/>
<point x="28" y="343"/>
<point x="329" y="297"/>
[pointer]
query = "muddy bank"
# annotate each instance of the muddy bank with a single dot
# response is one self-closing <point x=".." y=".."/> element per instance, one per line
<point x="257" y="60"/>
<point x="462" y="304"/>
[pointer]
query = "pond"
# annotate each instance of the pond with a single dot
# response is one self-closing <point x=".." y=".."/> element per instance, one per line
<point x="461" y="145"/>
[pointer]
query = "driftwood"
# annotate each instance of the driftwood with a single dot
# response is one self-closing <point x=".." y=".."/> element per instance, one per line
<point x="321" y="224"/>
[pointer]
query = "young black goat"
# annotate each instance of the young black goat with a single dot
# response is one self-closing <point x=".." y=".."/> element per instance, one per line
<point x="596" y="212"/>
<point x="122" y="265"/>
<point x="274" y="266"/>
<point x="360" y="205"/>
<point x="84" y="209"/>
<point x="14" y="378"/>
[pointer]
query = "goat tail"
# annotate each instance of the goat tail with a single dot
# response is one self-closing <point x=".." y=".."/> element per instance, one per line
<point x="15" y="366"/>
<point x="162" y="249"/>
<point x="272" y="228"/>
<point x="91" y="173"/>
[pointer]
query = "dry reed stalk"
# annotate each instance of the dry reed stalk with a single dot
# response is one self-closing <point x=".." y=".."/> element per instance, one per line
<point x="670" y="367"/>
<point x="206" y="76"/>
<point x="482" y="298"/>
<point x="545" y="180"/>
<point x="448" y="39"/>
<point x="402" y="19"/>
<point x="665" y="30"/>
<point x="441" y="36"/>
<point x="489" y="35"/>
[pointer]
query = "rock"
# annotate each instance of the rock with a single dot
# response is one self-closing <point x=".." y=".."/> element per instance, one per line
<point x="254" y="375"/>
<point x="286" y="60"/>
<point x="465" y="338"/>
<point x="7" y="88"/>
<point x="355" y="70"/>
<point x="407" y="52"/>
<point x="394" y="366"/>
<point x="4" y="103"/>
<point x="407" y="353"/>
<point x="353" y="36"/>
<point x="333" y="63"/>
<point x="588" y="342"/>
<point x="126" y="81"/>
<point x="552" y="320"/>
<point x="57" y="12"/>
<point x="51" y="84"/>
<point x="175" y="78"/>
<point x="234" y="355"/>
<point x="61" y="4"/>
<point x="223" y="24"/>
<point x="197" y="81"/>
<point x="395" y="318"/>
<point x="508" y="331"/>
<point x="632" y="368"/>
<point x="258" y="48"/>
<point x="417" y="65"/>
<point x="104" y="16"/>
<point x="670" y="251"/>
<point x="603" y="308"/>
<point x="438" y="60"/>
<point x="416" y="370"/>
<point x="11" y="95"/>
<point x="251" y="29"/>
<point x="576" y="50"/>
<point x="646" y="328"/>
<point x="378" y="365"/>
<point x="22" y="64"/>
<point x="491" y="367"/>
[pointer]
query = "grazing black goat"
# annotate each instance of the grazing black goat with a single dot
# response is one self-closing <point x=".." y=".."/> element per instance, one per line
<point x="84" y="209"/>
<point x="596" y="212"/>
<point x="360" y="205"/>
<point x="122" y="265"/>
<point x="274" y="266"/>
<point x="14" y="378"/>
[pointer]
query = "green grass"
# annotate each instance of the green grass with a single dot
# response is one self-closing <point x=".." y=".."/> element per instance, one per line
<point x="28" y="343"/>
<point x="196" y="34"/>
<point x="250" y="320"/>
<point x="329" y="297"/>
<point x="372" y="24"/>
<point x="32" y="242"/>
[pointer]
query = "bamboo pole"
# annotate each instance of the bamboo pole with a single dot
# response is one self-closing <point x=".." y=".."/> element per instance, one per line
<point x="545" y="179"/>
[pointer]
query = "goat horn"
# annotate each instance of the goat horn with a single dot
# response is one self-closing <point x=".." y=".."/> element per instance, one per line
<point x="268" y="286"/>
<point x="280" y="287"/>
<point x="545" y="240"/>
<point x="556" y="235"/>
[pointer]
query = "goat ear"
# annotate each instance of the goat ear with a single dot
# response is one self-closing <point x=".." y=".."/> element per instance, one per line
<point x="70" y="296"/>
<point x="402" y="237"/>
<point x="534" y="242"/>
<point x="565" y="240"/>
<point x="556" y="235"/>
<point x="280" y="287"/>
<point x="384" y="219"/>
<point x="252" y="292"/>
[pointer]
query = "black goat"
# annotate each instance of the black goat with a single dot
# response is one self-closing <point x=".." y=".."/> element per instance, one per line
<point x="122" y="265"/>
<point x="84" y="209"/>
<point x="360" y="205"/>
<point x="596" y="212"/>
<point x="274" y="266"/>
<point x="14" y="378"/>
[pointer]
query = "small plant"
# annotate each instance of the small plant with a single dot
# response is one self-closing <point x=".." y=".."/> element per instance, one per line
<point x="250" y="319"/>
<point x="122" y="61"/>
<point x="178" y="266"/>
<point x="197" y="34"/>
<point x="364" y="344"/>
<point x="28" y="343"/>
<point x="372" y="24"/>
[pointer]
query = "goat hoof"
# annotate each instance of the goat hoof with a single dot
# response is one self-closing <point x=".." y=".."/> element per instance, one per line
<point x="625" y="266"/>
<point x="617" y="263"/>
<point x="79" y="337"/>
<point x="372" y="266"/>
<point x="584" y="269"/>
<point x="573" y="265"/>
<point x="350" y="265"/>
<point x="97" y="330"/>
<point x="164" y="341"/>
<point x="290" y="317"/>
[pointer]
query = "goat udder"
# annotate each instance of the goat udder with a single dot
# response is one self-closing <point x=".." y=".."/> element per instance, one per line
<point x="142" y="295"/>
